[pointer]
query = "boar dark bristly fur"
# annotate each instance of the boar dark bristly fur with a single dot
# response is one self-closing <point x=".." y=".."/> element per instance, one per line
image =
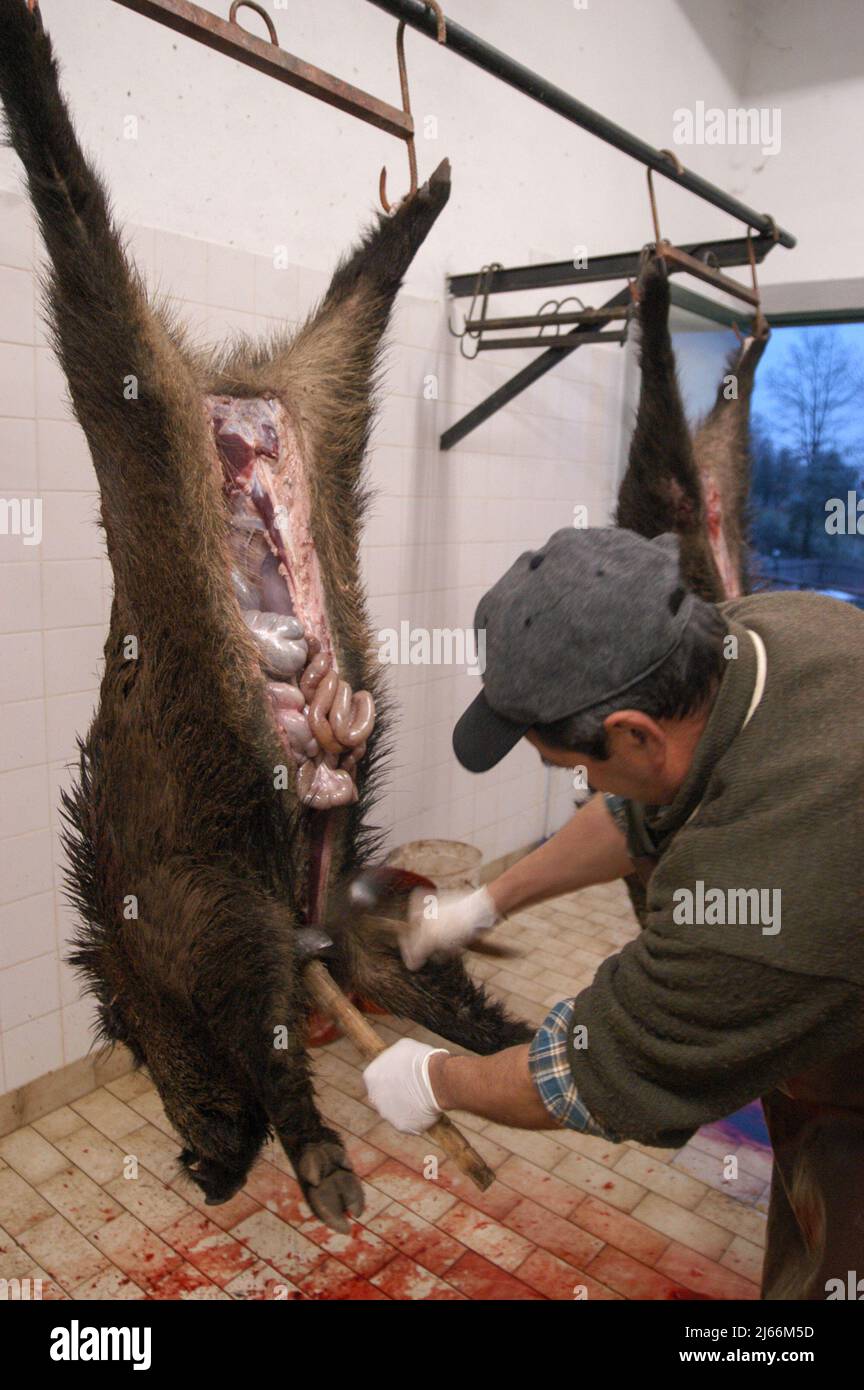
<point x="189" y="868"/>
<point x="695" y="486"/>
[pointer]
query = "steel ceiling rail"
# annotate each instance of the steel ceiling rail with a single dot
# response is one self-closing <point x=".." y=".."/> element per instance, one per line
<point x="500" y="65"/>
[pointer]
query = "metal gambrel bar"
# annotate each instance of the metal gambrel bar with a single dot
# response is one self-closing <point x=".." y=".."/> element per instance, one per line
<point x="544" y="339"/>
<point x="624" y="265"/>
<point x="230" y="38"/>
<point x="541" y="320"/>
<point x="710" y="309"/>
<point x="419" y="16"/>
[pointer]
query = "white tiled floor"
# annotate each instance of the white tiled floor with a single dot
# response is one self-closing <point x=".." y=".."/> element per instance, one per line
<point x="91" y="1202"/>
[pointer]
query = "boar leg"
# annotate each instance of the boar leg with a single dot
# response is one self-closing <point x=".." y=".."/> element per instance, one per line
<point x="126" y="376"/>
<point x="132" y="388"/>
<point x="326" y="378"/>
<point x="267" y="1021"/>
<point x="661" y="470"/>
<point x="327" y="372"/>
<point x="661" y="489"/>
<point x="442" y="996"/>
<point x="721" y="446"/>
<point x="283" y="1082"/>
<point x="256" y="1013"/>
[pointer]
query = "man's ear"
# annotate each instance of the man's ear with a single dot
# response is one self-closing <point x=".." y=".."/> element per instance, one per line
<point x="630" y="732"/>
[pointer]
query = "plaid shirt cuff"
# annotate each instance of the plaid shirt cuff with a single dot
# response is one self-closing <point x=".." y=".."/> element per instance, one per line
<point x="551" y="1074"/>
<point x="617" y="808"/>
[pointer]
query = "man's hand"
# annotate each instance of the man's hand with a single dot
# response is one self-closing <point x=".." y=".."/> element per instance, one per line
<point x="444" y="923"/>
<point x="399" y="1088"/>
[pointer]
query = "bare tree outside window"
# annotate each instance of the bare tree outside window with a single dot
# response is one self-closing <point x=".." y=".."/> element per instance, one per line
<point x="808" y="461"/>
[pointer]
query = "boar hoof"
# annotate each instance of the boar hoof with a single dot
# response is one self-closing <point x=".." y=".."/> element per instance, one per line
<point x="332" y="1190"/>
<point x="653" y="276"/>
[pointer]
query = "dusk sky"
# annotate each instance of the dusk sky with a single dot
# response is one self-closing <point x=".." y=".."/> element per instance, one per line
<point x="851" y="334"/>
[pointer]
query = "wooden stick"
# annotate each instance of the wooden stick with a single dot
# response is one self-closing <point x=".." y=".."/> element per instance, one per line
<point x="445" y="1134"/>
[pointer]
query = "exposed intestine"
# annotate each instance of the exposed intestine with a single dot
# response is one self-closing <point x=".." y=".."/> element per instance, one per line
<point x="322" y="724"/>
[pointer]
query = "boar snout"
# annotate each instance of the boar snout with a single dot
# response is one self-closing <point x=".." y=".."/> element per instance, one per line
<point x="218" y="1182"/>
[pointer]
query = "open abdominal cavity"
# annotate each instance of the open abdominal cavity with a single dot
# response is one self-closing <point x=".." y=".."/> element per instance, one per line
<point x="322" y="723"/>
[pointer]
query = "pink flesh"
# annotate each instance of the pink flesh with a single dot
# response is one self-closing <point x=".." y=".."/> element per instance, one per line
<point x="263" y="466"/>
<point x="264" y="477"/>
<point x="717" y="540"/>
<point x="682" y="508"/>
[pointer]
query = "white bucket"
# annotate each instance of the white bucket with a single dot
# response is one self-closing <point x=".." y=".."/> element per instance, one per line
<point x="448" y="863"/>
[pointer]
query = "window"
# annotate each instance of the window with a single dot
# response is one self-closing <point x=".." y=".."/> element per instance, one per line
<point x="807" y="493"/>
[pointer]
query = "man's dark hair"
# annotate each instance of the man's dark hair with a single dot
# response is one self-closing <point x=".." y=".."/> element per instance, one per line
<point x="681" y="685"/>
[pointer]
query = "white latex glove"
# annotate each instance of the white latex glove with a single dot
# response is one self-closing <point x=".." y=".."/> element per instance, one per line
<point x="444" y="922"/>
<point x="398" y="1086"/>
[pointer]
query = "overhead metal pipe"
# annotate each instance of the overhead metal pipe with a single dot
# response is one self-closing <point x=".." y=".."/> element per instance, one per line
<point x="419" y="16"/>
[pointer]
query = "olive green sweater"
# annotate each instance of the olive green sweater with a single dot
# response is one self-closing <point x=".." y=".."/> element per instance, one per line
<point x="695" y="1018"/>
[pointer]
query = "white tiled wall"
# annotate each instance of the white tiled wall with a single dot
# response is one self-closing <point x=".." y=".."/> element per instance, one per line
<point x="444" y="528"/>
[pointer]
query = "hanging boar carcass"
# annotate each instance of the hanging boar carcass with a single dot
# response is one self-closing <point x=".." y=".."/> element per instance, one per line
<point x="692" y="483"/>
<point x="695" y="484"/>
<point x="227" y="777"/>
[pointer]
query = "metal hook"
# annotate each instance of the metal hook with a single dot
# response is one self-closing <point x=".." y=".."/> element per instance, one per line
<point x="482" y="290"/>
<point x="759" y="321"/>
<point x="251" y="5"/>
<point x="439" y="15"/>
<point x="698" y="265"/>
<point x="551" y="307"/>
<point x="406" y="107"/>
<point x="672" y="156"/>
<point x="679" y="169"/>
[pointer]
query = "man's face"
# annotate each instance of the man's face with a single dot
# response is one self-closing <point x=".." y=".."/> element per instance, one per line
<point x="644" y="762"/>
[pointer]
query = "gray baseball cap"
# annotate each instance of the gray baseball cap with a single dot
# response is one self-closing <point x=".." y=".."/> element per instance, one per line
<point x="568" y="627"/>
